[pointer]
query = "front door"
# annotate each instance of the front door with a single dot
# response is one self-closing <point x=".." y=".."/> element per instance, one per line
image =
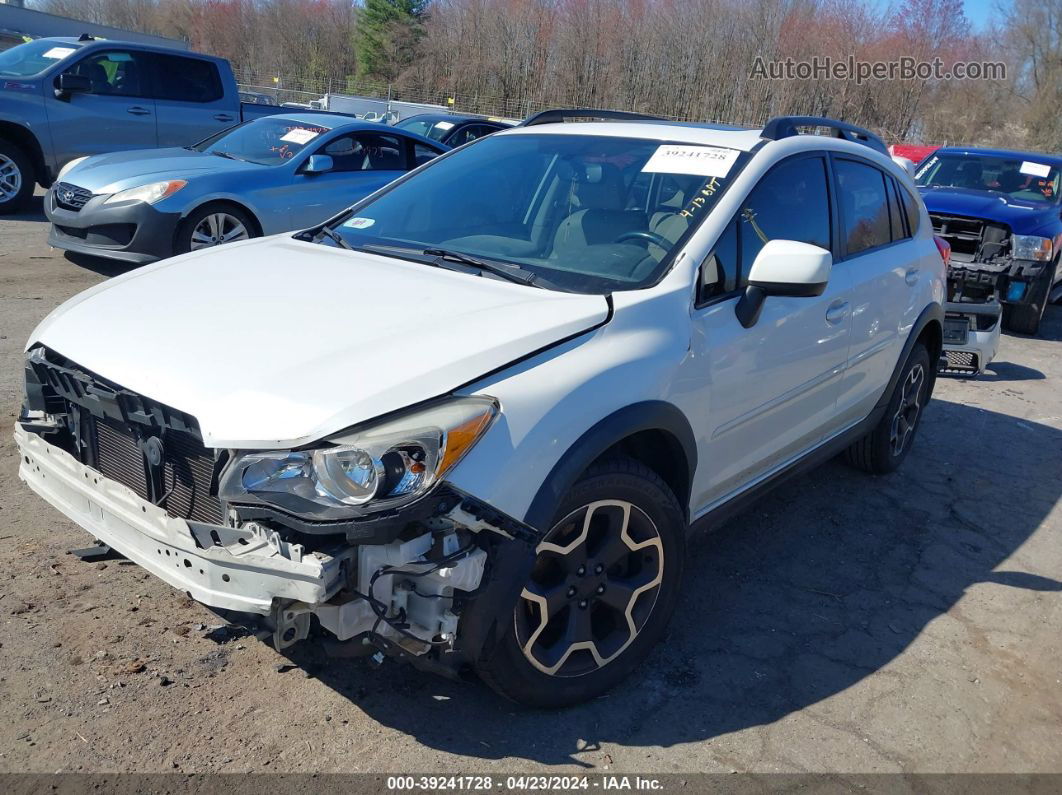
<point x="118" y="113"/>
<point x="362" y="163"/>
<point x="766" y="393"/>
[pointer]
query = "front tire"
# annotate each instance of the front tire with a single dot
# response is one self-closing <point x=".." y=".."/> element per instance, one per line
<point x="213" y="225"/>
<point x="16" y="178"/>
<point x="1025" y="318"/>
<point x="885" y="447"/>
<point x="603" y="587"/>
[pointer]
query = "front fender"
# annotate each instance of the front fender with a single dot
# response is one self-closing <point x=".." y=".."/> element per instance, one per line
<point x="565" y="406"/>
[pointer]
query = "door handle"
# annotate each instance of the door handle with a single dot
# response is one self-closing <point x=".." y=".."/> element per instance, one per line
<point x="137" y="110"/>
<point x="836" y="312"/>
<point x="911" y="277"/>
<point x="224" y="117"/>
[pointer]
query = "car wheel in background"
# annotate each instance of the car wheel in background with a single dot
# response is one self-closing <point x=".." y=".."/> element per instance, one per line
<point x="213" y="225"/>
<point x="604" y="584"/>
<point x="16" y="178"/>
<point x="887" y="445"/>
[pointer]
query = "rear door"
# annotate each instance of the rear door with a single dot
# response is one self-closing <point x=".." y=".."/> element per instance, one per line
<point x="876" y="256"/>
<point x="362" y="163"/>
<point x="190" y="99"/>
<point x="118" y="113"/>
<point x="768" y="393"/>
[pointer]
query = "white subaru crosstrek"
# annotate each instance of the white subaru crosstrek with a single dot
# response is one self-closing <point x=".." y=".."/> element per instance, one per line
<point x="469" y="421"/>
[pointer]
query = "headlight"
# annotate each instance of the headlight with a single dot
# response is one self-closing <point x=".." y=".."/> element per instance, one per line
<point x="65" y="169"/>
<point x="373" y="468"/>
<point x="156" y="191"/>
<point x="1031" y="247"/>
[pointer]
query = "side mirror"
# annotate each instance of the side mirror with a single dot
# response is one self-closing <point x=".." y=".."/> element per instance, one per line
<point x="69" y="83"/>
<point x="783" y="267"/>
<point x="318" y="164"/>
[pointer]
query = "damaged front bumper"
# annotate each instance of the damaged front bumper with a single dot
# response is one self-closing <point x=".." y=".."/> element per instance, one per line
<point x="245" y="570"/>
<point x="405" y="597"/>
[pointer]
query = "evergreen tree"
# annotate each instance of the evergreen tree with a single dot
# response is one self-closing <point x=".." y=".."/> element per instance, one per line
<point x="386" y="36"/>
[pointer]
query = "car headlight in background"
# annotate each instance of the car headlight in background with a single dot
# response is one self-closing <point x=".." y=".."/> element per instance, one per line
<point x="376" y="467"/>
<point x="65" y="169"/>
<point x="1031" y="247"/>
<point x="154" y="192"/>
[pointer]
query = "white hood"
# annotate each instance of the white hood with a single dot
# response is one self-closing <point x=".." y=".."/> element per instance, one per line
<point x="276" y="342"/>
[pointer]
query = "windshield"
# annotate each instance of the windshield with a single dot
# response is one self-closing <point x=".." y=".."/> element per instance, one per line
<point x="34" y="57"/>
<point x="267" y="141"/>
<point x="1017" y="177"/>
<point x="436" y="130"/>
<point x="585" y="213"/>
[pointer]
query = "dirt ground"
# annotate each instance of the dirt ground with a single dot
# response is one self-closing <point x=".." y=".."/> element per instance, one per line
<point x="846" y="624"/>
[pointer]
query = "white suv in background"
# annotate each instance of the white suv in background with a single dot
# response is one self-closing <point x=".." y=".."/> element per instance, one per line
<point x="469" y="421"/>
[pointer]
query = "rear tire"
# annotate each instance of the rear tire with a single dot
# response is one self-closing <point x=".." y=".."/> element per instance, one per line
<point x="605" y="582"/>
<point x="885" y="447"/>
<point x="17" y="178"/>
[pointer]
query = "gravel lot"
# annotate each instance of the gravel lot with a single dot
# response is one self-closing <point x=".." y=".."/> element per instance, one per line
<point x="847" y="624"/>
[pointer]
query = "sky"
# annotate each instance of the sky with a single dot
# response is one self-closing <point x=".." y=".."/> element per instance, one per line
<point x="978" y="10"/>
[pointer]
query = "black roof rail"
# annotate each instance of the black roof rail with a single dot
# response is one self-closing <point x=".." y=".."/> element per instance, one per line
<point x="554" y="115"/>
<point x="786" y="126"/>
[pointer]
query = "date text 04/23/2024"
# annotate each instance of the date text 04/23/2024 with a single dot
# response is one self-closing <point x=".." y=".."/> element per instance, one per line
<point x="532" y="783"/>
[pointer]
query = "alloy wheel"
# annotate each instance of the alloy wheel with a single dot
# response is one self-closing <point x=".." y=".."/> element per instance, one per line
<point x="594" y="585"/>
<point x="217" y="228"/>
<point x="10" y="178"/>
<point x="906" y="416"/>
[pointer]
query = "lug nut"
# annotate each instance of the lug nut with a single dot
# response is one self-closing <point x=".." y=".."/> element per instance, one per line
<point x="581" y="571"/>
<point x="571" y="591"/>
<point x="600" y="567"/>
<point x="582" y="604"/>
<point x="601" y="589"/>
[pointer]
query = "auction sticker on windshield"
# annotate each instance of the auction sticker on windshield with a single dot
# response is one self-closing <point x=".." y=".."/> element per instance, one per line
<point x="1035" y="169"/>
<point x="359" y="223"/>
<point x="58" y="52"/>
<point x="703" y="161"/>
<point x="300" y="135"/>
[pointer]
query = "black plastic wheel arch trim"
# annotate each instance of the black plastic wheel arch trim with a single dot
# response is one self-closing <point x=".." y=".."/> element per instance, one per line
<point x="933" y="313"/>
<point x="650" y="415"/>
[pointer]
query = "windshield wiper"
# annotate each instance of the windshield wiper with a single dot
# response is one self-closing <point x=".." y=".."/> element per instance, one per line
<point x="513" y="273"/>
<point x="334" y="236"/>
<point x="227" y="155"/>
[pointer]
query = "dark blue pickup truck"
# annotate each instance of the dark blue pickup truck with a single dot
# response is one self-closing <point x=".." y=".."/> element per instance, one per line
<point x="1000" y="211"/>
<point x="64" y="98"/>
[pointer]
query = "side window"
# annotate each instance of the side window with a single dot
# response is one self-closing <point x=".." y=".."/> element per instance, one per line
<point x="790" y="203"/>
<point x="864" y="206"/>
<point x="381" y="152"/>
<point x="186" y="79"/>
<point x="345" y="153"/>
<point x="469" y="132"/>
<point x="910" y="207"/>
<point x="719" y="271"/>
<point x="422" y="154"/>
<point x="119" y="73"/>
<point x="899" y="231"/>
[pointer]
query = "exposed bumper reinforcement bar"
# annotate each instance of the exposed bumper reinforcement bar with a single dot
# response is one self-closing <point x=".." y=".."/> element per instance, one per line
<point x="245" y="573"/>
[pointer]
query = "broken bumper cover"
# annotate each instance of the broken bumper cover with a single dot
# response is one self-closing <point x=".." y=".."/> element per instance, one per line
<point x="1011" y="280"/>
<point x="246" y="576"/>
<point x="971" y="336"/>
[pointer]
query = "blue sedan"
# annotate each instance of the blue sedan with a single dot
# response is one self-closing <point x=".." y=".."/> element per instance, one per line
<point x="269" y="175"/>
